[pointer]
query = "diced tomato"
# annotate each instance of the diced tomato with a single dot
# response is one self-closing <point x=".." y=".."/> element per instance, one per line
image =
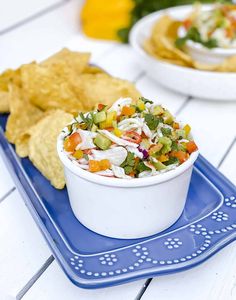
<point x="132" y="174"/>
<point x="110" y="128"/>
<point x="132" y="136"/>
<point x="191" y="147"/>
<point x="72" y="141"/>
<point x="187" y="23"/>
<point x="181" y="155"/>
<point x="127" y="110"/>
<point x="100" y="106"/>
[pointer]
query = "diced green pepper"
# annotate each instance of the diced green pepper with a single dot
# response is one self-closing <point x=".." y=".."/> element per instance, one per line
<point x="158" y="165"/>
<point x="158" y="110"/>
<point x="102" y="142"/>
<point x="94" y="128"/>
<point x="166" y="131"/>
<point x="181" y="133"/>
<point x="168" y="118"/>
<point x="99" y="117"/>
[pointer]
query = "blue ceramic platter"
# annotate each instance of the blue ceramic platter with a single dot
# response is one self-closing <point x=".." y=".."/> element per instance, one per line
<point x="90" y="260"/>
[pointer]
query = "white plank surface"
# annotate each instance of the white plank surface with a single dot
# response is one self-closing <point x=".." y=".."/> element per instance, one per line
<point x="213" y="125"/>
<point x="41" y="37"/>
<point x="121" y="62"/>
<point x="228" y="167"/>
<point x="6" y="182"/>
<point x="54" y="285"/>
<point x="13" y="11"/>
<point x="23" y="249"/>
<point x="153" y="90"/>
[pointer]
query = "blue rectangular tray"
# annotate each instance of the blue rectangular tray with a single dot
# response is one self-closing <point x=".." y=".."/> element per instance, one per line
<point x="90" y="260"/>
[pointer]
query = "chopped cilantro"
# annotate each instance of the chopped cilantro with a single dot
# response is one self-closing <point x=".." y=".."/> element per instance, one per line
<point x="145" y="100"/>
<point x="142" y="167"/>
<point x="166" y="131"/>
<point x="152" y="121"/>
<point x="88" y="120"/>
<point x="193" y="34"/>
<point x="172" y="160"/>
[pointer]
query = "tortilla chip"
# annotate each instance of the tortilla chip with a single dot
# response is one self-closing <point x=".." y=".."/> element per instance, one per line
<point x="162" y="41"/>
<point x="23" y="115"/>
<point x="47" y="90"/>
<point x="42" y="146"/>
<point x="93" y="70"/>
<point x="228" y="65"/>
<point x="6" y="78"/>
<point x="67" y="63"/>
<point x="4" y="102"/>
<point x="95" y="88"/>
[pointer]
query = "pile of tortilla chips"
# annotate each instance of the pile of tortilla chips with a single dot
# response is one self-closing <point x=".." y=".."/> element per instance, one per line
<point x="161" y="45"/>
<point x="42" y="99"/>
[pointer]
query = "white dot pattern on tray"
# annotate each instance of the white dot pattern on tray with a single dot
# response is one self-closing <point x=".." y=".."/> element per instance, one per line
<point x="220" y="216"/>
<point x="230" y="201"/>
<point x="111" y="263"/>
<point x="108" y="259"/>
<point x="172" y="243"/>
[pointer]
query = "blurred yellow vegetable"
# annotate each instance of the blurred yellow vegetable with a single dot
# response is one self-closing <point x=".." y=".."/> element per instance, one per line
<point x="103" y="18"/>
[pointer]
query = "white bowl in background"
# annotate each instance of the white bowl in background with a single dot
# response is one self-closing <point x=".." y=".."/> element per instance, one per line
<point x="123" y="208"/>
<point x="196" y="83"/>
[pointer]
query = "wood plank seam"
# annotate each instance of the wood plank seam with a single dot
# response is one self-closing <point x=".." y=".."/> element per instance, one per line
<point x="227" y="152"/>
<point x="7" y="194"/>
<point x="34" y="17"/>
<point x="34" y="278"/>
<point x="143" y="289"/>
<point x="139" y="76"/>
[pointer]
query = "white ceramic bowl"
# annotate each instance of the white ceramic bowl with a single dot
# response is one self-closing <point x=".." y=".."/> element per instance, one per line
<point x="123" y="208"/>
<point x="204" y="55"/>
<point x="201" y="84"/>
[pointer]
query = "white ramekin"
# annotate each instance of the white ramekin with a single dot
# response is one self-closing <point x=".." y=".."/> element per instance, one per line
<point x="204" y="55"/>
<point x="123" y="208"/>
<point x="214" y="56"/>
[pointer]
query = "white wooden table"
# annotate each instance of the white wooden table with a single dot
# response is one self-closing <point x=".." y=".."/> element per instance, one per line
<point x="33" y="30"/>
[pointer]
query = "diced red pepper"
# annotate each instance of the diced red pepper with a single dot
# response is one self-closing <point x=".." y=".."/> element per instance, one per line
<point x="181" y="155"/>
<point x="187" y="23"/>
<point x="132" y="136"/>
<point x="100" y="106"/>
<point x="72" y="141"/>
<point x="191" y="147"/>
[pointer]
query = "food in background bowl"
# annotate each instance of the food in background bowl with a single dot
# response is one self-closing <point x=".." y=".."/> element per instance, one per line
<point x="185" y="42"/>
<point x="213" y="28"/>
<point x="144" y="160"/>
<point x="209" y="35"/>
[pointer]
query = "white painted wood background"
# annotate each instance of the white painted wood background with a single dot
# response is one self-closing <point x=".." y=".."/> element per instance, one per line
<point x="32" y="30"/>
